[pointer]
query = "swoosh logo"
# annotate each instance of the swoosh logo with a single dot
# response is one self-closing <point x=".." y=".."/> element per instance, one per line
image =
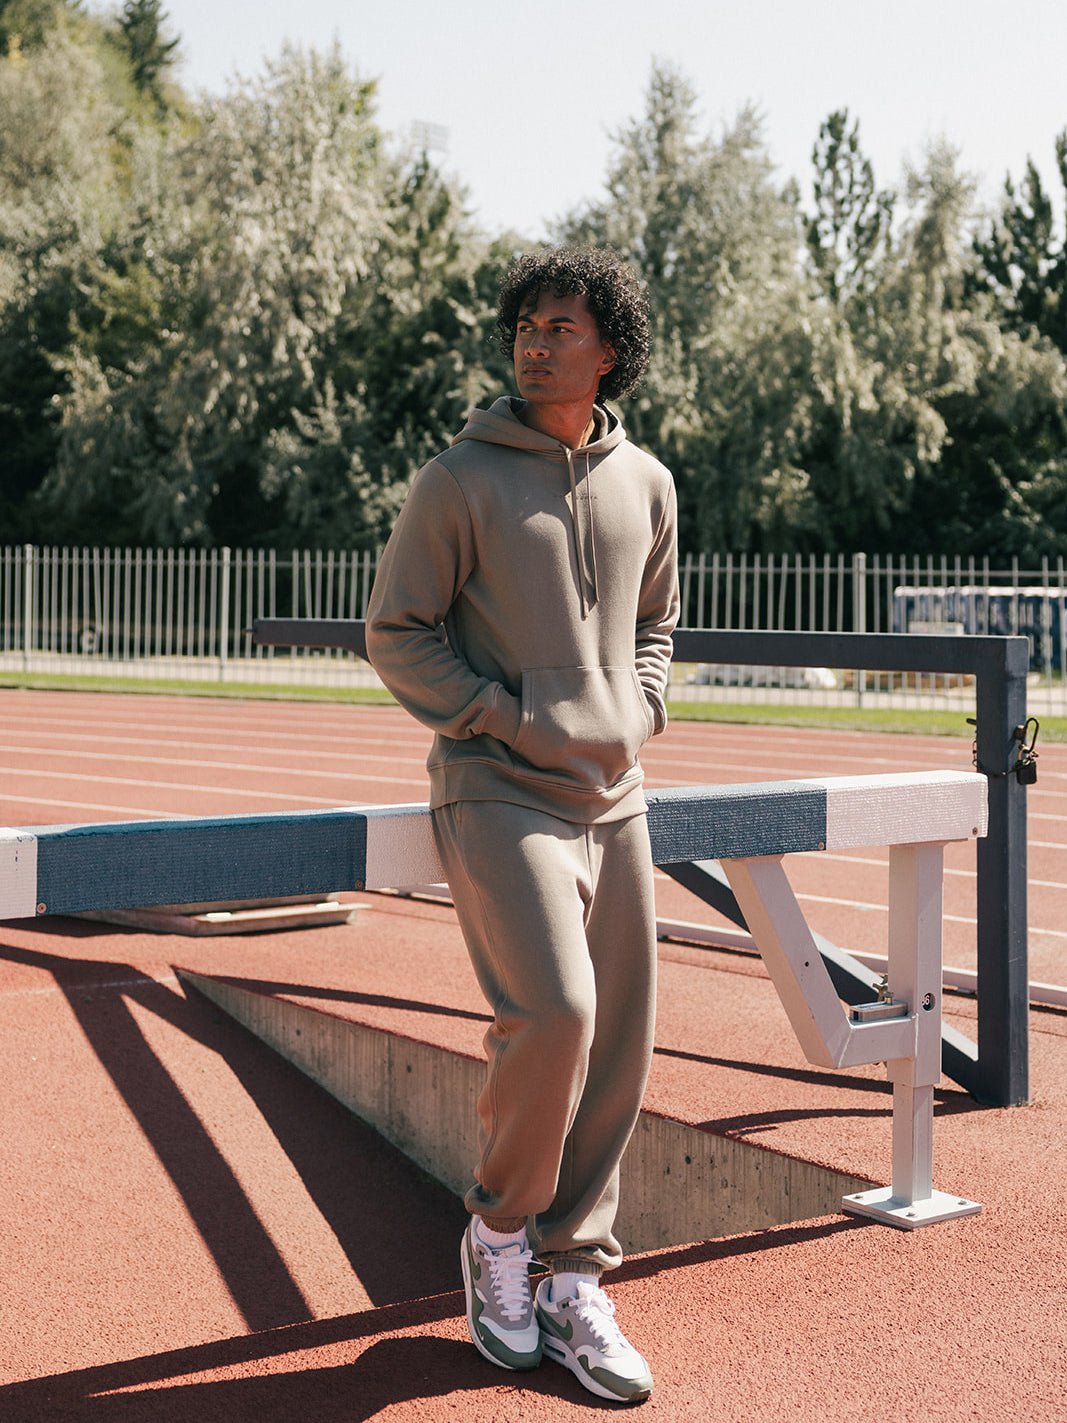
<point x="474" y="1262"/>
<point x="564" y="1331"/>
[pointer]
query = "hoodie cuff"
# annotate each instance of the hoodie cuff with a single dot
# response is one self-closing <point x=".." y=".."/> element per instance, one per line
<point x="506" y="716"/>
<point x="658" y="710"/>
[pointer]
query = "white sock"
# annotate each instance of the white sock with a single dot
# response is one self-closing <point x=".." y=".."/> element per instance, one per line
<point x="497" y="1239"/>
<point x="565" y="1284"/>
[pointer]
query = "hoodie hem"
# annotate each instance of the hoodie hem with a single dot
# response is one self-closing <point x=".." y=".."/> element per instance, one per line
<point x="473" y="780"/>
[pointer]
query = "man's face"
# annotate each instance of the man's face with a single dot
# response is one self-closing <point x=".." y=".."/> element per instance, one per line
<point x="559" y="353"/>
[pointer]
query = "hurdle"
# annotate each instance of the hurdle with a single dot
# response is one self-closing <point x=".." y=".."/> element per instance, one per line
<point x="749" y="829"/>
<point x="995" y="1068"/>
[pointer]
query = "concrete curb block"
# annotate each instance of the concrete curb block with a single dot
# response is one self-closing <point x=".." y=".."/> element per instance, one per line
<point x="679" y="1183"/>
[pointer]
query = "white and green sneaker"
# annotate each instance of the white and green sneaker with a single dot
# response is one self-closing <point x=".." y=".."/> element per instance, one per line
<point x="579" y="1332"/>
<point x="500" y="1312"/>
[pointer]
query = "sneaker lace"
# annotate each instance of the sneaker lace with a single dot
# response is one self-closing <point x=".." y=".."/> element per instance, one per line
<point x="510" y="1280"/>
<point x="597" y="1310"/>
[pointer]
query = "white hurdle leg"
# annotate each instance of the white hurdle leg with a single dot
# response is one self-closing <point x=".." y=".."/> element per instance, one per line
<point x="915" y="920"/>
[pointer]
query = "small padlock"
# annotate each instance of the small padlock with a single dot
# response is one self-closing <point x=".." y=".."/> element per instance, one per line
<point x="1026" y="770"/>
<point x="1025" y="767"/>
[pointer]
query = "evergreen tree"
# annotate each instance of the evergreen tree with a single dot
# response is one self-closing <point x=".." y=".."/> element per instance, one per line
<point x="848" y="233"/>
<point x="860" y="448"/>
<point x="150" y="53"/>
<point x="1022" y="254"/>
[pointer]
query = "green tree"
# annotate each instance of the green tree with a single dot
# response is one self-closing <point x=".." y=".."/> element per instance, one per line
<point x="724" y="403"/>
<point x="62" y="194"/>
<point x="1022" y="254"/>
<point x="25" y="24"/>
<point x="319" y="326"/>
<point x="991" y="476"/>
<point x="151" y="53"/>
<point x="408" y="361"/>
<point x="871" y="422"/>
<point x="256" y="220"/>
<point x="849" y="231"/>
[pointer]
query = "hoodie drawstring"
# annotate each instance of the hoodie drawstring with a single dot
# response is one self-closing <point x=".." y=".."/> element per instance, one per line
<point x="584" y="542"/>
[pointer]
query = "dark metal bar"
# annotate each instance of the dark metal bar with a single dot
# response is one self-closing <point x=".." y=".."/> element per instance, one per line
<point x="877" y="651"/>
<point x="1002" y="1068"/>
<point x="346" y="634"/>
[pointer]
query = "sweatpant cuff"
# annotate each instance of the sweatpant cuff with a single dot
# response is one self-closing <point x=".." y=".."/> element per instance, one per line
<point x="574" y="1265"/>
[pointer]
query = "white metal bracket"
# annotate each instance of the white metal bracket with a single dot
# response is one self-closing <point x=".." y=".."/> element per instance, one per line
<point x="909" y="1044"/>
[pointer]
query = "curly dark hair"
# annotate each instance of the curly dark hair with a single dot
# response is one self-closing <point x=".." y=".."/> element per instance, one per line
<point x="615" y="296"/>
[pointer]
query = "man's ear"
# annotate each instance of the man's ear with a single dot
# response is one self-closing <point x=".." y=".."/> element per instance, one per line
<point x="608" y="361"/>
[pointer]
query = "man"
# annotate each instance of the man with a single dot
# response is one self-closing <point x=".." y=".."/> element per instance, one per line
<point x="523" y="610"/>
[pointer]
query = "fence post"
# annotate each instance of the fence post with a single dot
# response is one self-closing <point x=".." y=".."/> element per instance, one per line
<point x="224" y="614"/>
<point x="27" y="604"/>
<point x="859" y="614"/>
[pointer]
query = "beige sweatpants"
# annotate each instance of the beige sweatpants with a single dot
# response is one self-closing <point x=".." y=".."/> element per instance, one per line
<point x="560" y="924"/>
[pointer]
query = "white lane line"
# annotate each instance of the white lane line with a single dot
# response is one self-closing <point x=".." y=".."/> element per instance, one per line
<point x="799" y="764"/>
<point x="146" y="716"/>
<point x="192" y="788"/>
<point x="817" y="856"/>
<point x="238" y="744"/>
<point x="200" y="764"/>
<point x="948" y="918"/>
<point x="139" y="812"/>
<point x="878" y="908"/>
<point x="859" y="904"/>
<point x="417" y="737"/>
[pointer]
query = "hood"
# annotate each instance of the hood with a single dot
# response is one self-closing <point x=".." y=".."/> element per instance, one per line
<point x="500" y="425"/>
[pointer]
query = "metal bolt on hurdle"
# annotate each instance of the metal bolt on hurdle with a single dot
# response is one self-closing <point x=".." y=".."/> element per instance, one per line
<point x="902" y="1029"/>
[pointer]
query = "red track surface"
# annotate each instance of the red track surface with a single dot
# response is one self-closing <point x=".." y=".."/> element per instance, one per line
<point x="193" y="1231"/>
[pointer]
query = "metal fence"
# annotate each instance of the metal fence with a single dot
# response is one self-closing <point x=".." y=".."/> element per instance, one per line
<point x="168" y="612"/>
<point x="187" y="612"/>
<point x="878" y="593"/>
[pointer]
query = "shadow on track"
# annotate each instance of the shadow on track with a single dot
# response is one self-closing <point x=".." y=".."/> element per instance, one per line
<point x="346" y="1167"/>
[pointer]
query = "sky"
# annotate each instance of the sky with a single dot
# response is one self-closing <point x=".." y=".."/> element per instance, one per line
<point x="529" y="97"/>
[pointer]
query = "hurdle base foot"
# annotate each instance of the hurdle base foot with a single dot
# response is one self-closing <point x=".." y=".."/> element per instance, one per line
<point x="236" y="917"/>
<point x="883" y="1206"/>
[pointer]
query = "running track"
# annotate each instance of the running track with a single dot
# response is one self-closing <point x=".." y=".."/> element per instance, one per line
<point x="193" y="1231"/>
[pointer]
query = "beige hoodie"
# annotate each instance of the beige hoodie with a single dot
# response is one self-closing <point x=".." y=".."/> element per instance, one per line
<point x="523" y="611"/>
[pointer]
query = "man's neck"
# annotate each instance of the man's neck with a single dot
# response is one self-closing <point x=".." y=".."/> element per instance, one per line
<point x="571" y="425"/>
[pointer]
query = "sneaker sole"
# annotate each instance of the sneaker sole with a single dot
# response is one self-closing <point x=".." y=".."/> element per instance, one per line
<point x="476" y="1340"/>
<point x="555" y="1349"/>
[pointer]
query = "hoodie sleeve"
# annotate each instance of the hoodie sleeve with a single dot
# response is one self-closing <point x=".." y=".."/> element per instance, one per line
<point x="657" y="613"/>
<point x="428" y="558"/>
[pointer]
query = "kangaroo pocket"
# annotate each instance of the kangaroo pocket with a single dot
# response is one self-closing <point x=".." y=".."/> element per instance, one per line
<point x="583" y="725"/>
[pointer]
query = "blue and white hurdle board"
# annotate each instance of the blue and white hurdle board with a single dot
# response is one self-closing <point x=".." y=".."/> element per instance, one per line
<point x="68" y="869"/>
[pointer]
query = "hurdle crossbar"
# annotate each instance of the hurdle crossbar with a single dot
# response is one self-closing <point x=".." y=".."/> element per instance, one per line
<point x="68" y="869"/>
